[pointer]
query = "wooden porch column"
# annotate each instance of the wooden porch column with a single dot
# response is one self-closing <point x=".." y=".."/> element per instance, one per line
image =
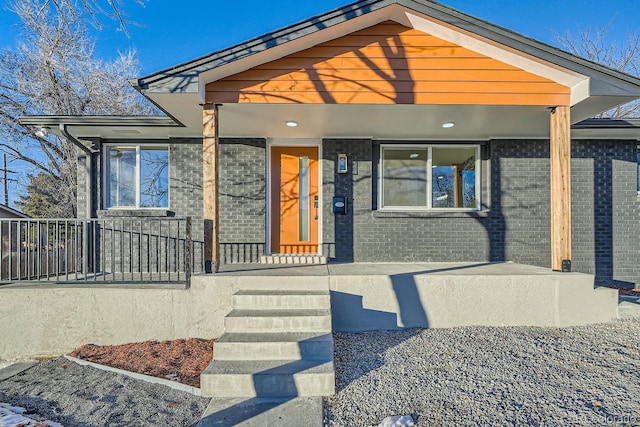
<point x="210" y="187"/>
<point x="560" y="151"/>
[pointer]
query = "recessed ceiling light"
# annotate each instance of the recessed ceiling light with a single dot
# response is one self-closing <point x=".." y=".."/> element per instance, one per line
<point x="448" y="125"/>
<point x="414" y="155"/>
<point x="291" y="123"/>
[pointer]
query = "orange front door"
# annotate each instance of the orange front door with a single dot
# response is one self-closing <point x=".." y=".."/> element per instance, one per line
<point x="294" y="200"/>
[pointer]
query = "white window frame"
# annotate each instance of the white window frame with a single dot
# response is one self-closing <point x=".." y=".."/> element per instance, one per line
<point x="638" y="170"/>
<point x="107" y="183"/>
<point x="429" y="185"/>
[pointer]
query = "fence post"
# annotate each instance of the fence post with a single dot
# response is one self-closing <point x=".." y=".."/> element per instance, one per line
<point x="187" y="252"/>
<point x="86" y="248"/>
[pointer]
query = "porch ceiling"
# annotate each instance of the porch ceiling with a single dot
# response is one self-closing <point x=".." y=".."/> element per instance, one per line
<point x="472" y="122"/>
<point x="382" y="121"/>
<point x="376" y="121"/>
<point x="423" y="122"/>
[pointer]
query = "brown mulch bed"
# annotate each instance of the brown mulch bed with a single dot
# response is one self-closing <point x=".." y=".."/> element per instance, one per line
<point x="181" y="360"/>
<point x="627" y="292"/>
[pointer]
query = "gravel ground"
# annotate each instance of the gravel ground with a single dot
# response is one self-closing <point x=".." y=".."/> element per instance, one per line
<point x="585" y="376"/>
<point x="74" y="395"/>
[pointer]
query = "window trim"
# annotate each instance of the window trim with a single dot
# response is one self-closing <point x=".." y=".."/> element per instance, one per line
<point x="106" y="187"/>
<point x="638" y="171"/>
<point x="429" y="206"/>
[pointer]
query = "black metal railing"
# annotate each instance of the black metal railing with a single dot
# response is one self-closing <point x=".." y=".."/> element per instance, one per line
<point x="106" y="250"/>
<point x="241" y="252"/>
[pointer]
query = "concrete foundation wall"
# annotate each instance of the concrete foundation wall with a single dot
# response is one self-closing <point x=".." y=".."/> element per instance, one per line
<point x="49" y="320"/>
<point x="361" y="303"/>
<point x="54" y="319"/>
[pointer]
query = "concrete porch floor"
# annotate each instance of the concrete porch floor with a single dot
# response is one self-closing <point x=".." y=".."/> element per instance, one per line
<point x="386" y="269"/>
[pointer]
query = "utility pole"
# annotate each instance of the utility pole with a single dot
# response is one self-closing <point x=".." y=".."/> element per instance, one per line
<point x="4" y="175"/>
<point x="5" y="179"/>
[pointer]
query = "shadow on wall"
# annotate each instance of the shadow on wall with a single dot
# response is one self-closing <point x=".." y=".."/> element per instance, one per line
<point x="411" y="313"/>
<point x="495" y="226"/>
<point x="603" y="207"/>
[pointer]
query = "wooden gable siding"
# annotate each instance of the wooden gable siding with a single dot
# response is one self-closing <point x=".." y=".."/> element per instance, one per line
<point x="388" y="64"/>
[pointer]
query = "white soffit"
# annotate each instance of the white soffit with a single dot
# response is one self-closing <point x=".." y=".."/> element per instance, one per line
<point x="418" y="122"/>
<point x="578" y="83"/>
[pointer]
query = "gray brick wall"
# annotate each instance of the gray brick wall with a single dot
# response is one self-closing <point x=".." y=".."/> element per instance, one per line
<point x="242" y="199"/>
<point x="606" y="211"/>
<point x="338" y="230"/>
<point x="82" y="199"/>
<point x="520" y="216"/>
<point x="516" y="225"/>
<point x="185" y="199"/>
<point x="185" y="189"/>
<point x="384" y="236"/>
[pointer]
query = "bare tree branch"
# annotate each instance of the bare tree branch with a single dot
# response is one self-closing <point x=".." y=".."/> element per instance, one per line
<point x="52" y="71"/>
<point x="592" y="44"/>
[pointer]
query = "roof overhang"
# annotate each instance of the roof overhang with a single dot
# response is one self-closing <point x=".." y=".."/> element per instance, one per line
<point x="609" y="129"/>
<point x="179" y="91"/>
<point x="407" y="122"/>
<point x="594" y="88"/>
<point x="13" y="212"/>
<point x="112" y="127"/>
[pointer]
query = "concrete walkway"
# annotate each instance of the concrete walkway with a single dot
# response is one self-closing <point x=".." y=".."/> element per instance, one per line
<point x="259" y="412"/>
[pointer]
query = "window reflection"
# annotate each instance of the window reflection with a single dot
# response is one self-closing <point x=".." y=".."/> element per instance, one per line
<point x="453" y="179"/>
<point x="419" y="177"/>
<point x="137" y="177"/>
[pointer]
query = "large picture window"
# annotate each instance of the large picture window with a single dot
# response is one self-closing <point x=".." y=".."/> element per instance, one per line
<point x="136" y="176"/>
<point x="418" y="177"/>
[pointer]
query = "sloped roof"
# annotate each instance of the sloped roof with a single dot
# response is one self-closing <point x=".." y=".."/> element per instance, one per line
<point x="10" y="212"/>
<point x="186" y="77"/>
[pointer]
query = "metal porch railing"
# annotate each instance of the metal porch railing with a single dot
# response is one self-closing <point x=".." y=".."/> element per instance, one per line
<point x="110" y="250"/>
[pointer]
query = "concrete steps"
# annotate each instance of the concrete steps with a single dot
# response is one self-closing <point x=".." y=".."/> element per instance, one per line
<point x="280" y="299"/>
<point x="264" y="411"/>
<point x="289" y="320"/>
<point x="277" y="344"/>
<point x="269" y="378"/>
<point x="293" y="259"/>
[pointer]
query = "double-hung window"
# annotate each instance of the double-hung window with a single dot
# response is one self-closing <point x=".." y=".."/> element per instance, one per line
<point x="136" y="176"/>
<point x="422" y="177"/>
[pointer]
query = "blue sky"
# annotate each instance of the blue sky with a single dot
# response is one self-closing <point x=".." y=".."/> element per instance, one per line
<point x="171" y="32"/>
